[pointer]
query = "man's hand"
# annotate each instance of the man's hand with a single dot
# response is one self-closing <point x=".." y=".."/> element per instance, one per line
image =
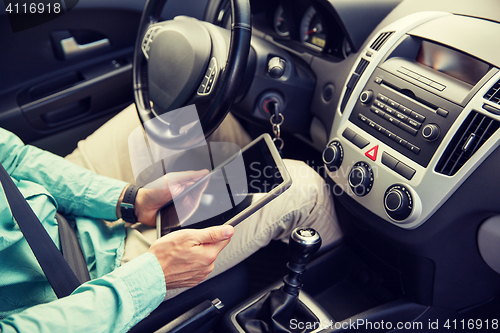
<point x="187" y="256"/>
<point x="160" y="192"/>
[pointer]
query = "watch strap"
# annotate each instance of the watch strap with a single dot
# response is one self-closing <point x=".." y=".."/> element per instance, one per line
<point x="127" y="204"/>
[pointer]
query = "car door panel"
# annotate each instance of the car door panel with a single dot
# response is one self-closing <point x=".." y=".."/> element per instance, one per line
<point x="73" y="70"/>
<point x="43" y="91"/>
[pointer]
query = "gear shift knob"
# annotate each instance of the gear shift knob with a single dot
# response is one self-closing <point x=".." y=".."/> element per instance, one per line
<point x="304" y="243"/>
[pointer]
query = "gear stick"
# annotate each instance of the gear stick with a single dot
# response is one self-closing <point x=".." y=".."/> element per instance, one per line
<point x="304" y="243"/>
<point x="275" y="310"/>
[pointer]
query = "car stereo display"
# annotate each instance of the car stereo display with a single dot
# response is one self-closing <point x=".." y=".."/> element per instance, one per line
<point x="453" y="63"/>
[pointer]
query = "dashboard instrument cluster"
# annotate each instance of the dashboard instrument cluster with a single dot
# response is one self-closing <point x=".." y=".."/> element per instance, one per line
<point x="303" y="25"/>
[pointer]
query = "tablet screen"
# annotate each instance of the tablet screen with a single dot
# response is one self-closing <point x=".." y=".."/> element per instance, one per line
<point x="226" y="195"/>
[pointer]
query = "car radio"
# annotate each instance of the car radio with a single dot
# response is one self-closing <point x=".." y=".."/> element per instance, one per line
<point x="408" y="104"/>
<point x="415" y="118"/>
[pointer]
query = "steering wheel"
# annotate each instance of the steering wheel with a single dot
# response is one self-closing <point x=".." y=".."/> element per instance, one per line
<point x="186" y="61"/>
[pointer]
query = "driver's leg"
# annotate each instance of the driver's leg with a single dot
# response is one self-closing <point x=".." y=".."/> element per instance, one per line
<point x="106" y="150"/>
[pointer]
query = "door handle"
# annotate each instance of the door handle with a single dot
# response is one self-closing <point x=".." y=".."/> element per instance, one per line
<point x="72" y="49"/>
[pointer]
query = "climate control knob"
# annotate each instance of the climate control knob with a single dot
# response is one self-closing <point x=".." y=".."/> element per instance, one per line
<point x="361" y="179"/>
<point x="398" y="202"/>
<point x="333" y="155"/>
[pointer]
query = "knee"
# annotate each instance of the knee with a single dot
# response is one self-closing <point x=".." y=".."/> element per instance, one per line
<point x="306" y="182"/>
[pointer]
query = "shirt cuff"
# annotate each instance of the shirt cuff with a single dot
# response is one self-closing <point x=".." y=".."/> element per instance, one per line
<point x="102" y="196"/>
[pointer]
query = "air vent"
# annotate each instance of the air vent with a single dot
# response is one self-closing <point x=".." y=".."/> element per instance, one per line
<point x="353" y="81"/>
<point x="493" y="95"/>
<point x="381" y="39"/>
<point x="361" y="66"/>
<point x="475" y="130"/>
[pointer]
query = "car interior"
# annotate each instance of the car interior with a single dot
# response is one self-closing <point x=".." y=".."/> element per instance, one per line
<point x="396" y="103"/>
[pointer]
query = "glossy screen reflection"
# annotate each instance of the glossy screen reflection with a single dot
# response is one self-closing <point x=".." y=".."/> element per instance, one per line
<point x="224" y="193"/>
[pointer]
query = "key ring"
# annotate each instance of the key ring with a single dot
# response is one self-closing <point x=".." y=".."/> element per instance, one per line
<point x="274" y="117"/>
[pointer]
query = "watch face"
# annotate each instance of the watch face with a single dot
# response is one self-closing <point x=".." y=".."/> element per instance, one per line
<point x="127" y="211"/>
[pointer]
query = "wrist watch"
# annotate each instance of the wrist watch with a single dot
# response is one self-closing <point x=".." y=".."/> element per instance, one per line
<point x="127" y="204"/>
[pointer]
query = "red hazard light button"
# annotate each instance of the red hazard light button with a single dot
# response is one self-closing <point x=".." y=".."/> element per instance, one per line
<point x="372" y="153"/>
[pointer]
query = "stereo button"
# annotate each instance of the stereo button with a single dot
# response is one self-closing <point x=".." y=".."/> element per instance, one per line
<point x="392" y="103"/>
<point x="401" y="116"/>
<point x="382" y="130"/>
<point x="382" y="98"/>
<point x="414" y="123"/>
<point x="392" y="120"/>
<point x="390" y="110"/>
<point x="442" y="112"/>
<point x="401" y="141"/>
<point x="390" y="135"/>
<point x="379" y="104"/>
<point x="378" y="112"/>
<point x="408" y="129"/>
<point x="413" y="148"/>
<point x="417" y="117"/>
<point x="405" y="110"/>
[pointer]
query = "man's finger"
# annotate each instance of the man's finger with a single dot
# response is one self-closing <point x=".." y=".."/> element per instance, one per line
<point x="217" y="247"/>
<point x="214" y="234"/>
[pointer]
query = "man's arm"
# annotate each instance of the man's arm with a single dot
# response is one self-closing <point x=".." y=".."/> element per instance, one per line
<point x="119" y="300"/>
<point x="78" y="191"/>
<point x="113" y="303"/>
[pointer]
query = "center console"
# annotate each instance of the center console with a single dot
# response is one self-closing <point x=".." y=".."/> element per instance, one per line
<point x="418" y="114"/>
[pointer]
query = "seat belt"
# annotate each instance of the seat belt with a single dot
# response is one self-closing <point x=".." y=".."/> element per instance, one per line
<point x="57" y="271"/>
<point x="71" y="250"/>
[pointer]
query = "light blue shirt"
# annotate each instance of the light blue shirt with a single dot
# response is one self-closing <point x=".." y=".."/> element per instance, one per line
<point x="113" y="301"/>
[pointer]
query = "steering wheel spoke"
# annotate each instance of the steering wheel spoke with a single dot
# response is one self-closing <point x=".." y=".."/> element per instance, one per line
<point x="185" y="61"/>
<point x="210" y="78"/>
<point x="148" y="39"/>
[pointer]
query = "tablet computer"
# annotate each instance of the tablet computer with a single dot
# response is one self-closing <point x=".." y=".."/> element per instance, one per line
<point x="231" y="192"/>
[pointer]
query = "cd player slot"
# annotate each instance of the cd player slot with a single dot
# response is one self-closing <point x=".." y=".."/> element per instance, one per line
<point x="411" y="95"/>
